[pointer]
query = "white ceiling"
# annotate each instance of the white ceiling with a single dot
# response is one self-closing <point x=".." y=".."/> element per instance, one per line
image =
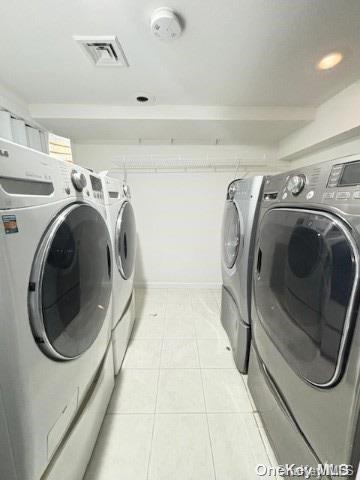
<point x="232" y="52"/>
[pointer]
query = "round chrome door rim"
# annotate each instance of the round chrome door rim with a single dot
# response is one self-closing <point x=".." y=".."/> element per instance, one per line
<point x="240" y="245"/>
<point x="36" y="278"/>
<point x="343" y="226"/>
<point x="117" y="240"/>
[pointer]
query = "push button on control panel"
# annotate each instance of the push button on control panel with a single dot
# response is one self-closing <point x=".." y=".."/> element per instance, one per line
<point x="342" y="195"/>
<point x="334" y="176"/>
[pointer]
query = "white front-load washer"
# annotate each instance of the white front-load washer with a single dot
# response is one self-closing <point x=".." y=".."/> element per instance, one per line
<point x="55" y="296"/>
<point x="122" y="226"/>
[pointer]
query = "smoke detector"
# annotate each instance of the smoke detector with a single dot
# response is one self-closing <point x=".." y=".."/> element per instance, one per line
<point x="166" y="24"/>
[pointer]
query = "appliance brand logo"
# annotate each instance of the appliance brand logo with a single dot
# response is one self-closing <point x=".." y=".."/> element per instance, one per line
<point x="4" y="153"/>
<point x="33" y="175"/>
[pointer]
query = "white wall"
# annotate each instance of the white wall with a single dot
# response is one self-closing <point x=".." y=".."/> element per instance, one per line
<point x="178" y="214"/>
<point x="179" y="221"/>
<point x="336" y="119"/>
<point x="13" y="103"/>
<point x="341" y="149"/>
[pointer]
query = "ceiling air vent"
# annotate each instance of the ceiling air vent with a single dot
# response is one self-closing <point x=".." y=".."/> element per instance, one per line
<point x="103" y="51"/>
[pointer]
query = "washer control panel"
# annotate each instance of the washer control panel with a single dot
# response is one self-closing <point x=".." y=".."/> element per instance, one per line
<point x="335" y="182"/>
<point x="80" y="182"/>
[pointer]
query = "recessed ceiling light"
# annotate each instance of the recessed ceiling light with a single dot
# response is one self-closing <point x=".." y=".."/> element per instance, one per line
<point x="330" y="61"/>
<point x="142" y="99"/>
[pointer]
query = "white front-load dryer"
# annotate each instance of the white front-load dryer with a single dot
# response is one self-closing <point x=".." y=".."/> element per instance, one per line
<point x="56" y="287"/>
<point x="122" y="226"/>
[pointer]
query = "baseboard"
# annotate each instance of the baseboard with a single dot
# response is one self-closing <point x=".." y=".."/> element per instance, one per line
<point x="210" y="285"/>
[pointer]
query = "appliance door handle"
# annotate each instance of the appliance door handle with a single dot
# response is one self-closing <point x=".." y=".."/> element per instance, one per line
<point x="108" y="256"/>
<point x="259" y="262"/>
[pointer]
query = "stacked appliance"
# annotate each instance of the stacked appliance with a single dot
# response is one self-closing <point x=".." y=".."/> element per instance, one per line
<point x="56" y="369"/>
<point x="304" y="372"/>
<point x="238" y="235"/>
<point x="122" y="227"/>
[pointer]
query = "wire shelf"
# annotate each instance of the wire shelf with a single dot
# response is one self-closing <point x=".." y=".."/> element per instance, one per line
<point x="184" y="163"/>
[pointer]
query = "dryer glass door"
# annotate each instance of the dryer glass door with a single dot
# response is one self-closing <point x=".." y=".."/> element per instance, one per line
<point x="70" y="284"/>
<point x="125" y="240"/>
<point x="307" y="269"/>
<point x="230" y="234"/>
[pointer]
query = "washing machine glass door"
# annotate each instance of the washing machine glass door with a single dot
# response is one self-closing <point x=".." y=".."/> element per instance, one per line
<point x="231" y="234"/>
<point x="125" y="240"/>
<point x="304" y="290"/>
<point x="70" y="285"/>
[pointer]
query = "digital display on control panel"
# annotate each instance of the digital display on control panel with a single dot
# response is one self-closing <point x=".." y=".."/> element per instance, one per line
<point x="96" y="184"/>
<point x="350" y="174"/>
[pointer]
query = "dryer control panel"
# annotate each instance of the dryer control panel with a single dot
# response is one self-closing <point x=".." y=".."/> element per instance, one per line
<point x="80" y="182"/>
<point x="335" y="183"/>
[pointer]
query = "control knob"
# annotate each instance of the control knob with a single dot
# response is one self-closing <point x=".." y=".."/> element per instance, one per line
<point x="78" y="180"/>
<point x="296" y="184"/>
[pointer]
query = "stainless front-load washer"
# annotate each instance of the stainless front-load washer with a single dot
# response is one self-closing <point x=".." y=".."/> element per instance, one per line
<point x="304" y="372"/>
<point x="238" y="235"/>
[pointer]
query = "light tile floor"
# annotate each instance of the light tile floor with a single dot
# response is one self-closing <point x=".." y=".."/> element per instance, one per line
<point x="180" y="410"/>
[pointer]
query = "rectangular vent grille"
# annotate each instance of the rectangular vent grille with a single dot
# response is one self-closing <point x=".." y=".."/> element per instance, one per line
<point x="103" y="51"/>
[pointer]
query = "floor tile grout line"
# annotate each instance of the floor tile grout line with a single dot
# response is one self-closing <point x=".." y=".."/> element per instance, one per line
<point x="261" y="427"/>
<point x="262" y="441"/>
<point x="154" y="414"/>
<point x="244" y="382"/>
<point x="206" y="414"/>
<point x="185" y="412"/>
<point x="250" y="396"/>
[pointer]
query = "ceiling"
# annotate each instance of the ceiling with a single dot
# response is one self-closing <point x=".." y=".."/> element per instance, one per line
<point x="232" y="53"/>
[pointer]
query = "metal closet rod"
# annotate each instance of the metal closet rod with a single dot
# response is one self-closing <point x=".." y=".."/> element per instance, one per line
<point x="192" y="168"/>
